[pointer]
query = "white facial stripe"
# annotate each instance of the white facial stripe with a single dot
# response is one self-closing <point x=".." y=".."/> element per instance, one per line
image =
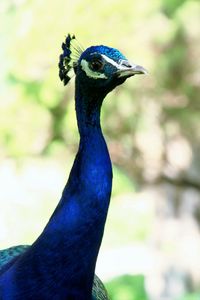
<point x="115" y="64"/>
<point x="89" y="72"/>
<point x="111" y="61"/>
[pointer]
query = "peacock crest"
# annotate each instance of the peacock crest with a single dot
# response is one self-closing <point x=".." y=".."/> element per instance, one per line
<point x="72" y="51"/>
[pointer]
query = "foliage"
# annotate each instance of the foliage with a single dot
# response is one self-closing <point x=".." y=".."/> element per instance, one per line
<point x="30" y="87"/>
<point x="193" y="296"/>
<point x="127" y="287"/>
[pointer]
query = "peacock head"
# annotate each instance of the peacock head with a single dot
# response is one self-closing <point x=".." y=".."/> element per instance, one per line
<point x="97" y="67"/>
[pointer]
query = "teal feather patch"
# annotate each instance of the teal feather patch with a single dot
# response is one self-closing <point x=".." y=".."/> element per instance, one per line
<point x="7" y="255"/>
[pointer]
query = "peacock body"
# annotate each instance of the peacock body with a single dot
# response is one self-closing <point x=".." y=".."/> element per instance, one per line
<point x="60" y="264"/>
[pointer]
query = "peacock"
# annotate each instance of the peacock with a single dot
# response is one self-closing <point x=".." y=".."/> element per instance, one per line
<point x="60" y="264"/>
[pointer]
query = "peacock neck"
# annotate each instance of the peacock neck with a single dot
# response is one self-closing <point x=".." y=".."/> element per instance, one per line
<point x="88" y="106"/>
<point x="61" y="263"/>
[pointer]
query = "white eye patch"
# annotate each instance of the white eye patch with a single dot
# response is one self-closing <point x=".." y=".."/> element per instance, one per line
<point x="92" y="74"/>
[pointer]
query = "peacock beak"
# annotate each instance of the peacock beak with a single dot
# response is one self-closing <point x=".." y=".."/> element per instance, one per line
<point x="129" y="69"/>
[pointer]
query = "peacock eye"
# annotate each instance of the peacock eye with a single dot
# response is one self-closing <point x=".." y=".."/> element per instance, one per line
<point x="96" y="65"/>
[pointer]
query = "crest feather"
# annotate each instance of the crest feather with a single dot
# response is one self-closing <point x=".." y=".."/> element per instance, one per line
<point x="72" y="51"/>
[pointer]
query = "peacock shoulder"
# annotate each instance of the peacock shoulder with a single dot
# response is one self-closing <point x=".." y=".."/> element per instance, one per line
<point x="8" y="255"/>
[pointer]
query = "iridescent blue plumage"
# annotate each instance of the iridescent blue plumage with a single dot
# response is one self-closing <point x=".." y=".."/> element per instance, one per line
<point x="60" y="264"/>
<point x="112" y="53"/>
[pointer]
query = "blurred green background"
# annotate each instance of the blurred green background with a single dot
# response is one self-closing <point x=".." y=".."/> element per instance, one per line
<point x="151" y="244"/>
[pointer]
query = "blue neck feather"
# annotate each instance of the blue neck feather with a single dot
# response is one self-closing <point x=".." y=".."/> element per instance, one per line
<point x="61" y="262"/>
